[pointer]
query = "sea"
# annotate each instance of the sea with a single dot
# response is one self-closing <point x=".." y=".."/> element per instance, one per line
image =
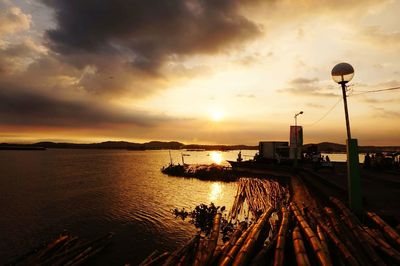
<point x="89" y="193"/>
<point x="92" y="192"/>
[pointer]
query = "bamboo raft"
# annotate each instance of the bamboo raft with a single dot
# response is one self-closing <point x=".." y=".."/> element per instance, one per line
<point x="302" y="235"/>
<point x="64" y="250"/>
<point x="201" y="171"/>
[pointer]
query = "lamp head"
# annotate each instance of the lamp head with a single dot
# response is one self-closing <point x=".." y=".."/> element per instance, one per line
<point x="299" y="113"/>
<point x="342" y="73"/>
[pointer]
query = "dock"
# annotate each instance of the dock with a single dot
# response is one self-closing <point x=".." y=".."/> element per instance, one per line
<point x="314" y="225"/>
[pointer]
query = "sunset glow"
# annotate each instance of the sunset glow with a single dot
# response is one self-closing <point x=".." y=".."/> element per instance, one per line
<point x="138" y="132"/>
<point x="201" y="78"/>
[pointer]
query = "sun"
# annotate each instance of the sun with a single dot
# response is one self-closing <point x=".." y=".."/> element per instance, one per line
<point x="217" y="116"/>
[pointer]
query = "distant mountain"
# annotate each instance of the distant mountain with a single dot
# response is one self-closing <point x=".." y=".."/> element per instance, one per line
<point x="153" y="145"/>
<point x="327" y="147"/>
<point x="174" y="145"/>
<point x="379" y="149"/>
<point x="219" y="147"/>
<point x="330" y="147"/>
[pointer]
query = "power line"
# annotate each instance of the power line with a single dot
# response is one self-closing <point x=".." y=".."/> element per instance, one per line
<point x="351" y="93"/>
<point x="330" y="110"/>
<point x="364" y="92"/>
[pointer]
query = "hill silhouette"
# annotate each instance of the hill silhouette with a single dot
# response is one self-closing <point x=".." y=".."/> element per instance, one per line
<point x="328" y="147"/>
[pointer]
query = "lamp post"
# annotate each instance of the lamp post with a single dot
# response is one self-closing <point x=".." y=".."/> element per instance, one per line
<point x="342" y="73"/>
<point x="296" y="141"/>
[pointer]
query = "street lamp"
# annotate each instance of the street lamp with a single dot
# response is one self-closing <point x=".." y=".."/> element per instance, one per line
<point x="342" y="73"/>
<point x="295" y="134"/>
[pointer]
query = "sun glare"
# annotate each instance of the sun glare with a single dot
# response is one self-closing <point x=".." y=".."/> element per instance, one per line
<point x="217" y="115"/>
<point x="216" y="157"/>
<point x="216" y="192"/>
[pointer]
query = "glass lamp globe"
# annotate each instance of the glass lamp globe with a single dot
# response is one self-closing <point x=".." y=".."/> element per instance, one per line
<point x="342" y="73"/>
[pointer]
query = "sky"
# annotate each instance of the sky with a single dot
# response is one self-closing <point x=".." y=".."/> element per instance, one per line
<point x="197" y="71"/>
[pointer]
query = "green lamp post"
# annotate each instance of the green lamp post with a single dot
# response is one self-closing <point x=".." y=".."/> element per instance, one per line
<point x="342" y="73"/>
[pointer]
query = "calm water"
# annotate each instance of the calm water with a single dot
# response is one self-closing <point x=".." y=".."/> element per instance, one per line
<point x="92" y="192"/>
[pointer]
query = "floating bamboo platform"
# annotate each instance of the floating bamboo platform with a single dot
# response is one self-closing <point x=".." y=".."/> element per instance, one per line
<point x="201" y="171"/>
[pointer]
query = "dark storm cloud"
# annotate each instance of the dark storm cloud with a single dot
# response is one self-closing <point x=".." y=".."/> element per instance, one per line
<point x="22" y="107"/>
<point x="149" y="32"/>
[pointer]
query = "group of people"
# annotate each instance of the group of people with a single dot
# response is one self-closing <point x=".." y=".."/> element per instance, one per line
<point x="381" y="161"/>
<point x="319" y="158"/>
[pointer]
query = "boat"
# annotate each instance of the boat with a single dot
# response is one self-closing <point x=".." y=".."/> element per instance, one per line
<point x="268" y="168"/>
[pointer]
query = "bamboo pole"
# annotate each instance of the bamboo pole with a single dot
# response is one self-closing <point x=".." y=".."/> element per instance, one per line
<point x="354" y="224"/>
<point x="94" y="248"/>
<point x="324" y="241"/>
<point x="149" y="258"/>
<point x="387" y="229"/>
<point x="158" y="260"/>
<point x="348" y="257"/>
<point x="216" y="254"/>
<point x="87" y="256"/>
<point x="71" y="242"/>
<point x="212" y="241"/>
<point x="52" y="246"/>
<point x="299" y="248"/>
<point x="229" y="244"/>
<point x="262" y="256"/>
<point x="248" y="247"/>
<point x="175" y="257"/>
<point x="80" y="256"/>
<point x="230" y="255"/>
<point x="69" y="254"/>
<point x="311" y="236"/>
<point x="199" y="251"/>
<point x="349" y="239"/>
<point x="377" y="242"/>
<point x="279" y="256"/>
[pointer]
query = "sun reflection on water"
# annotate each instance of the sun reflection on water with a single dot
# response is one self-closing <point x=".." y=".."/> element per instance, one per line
<point x="216" y="157"/>
<point x="216" y="192"/>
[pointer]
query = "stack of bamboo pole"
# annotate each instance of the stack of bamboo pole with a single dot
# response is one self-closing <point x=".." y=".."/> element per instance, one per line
<point x="312" y="237"/>
<point x="64" y="250"/>
<point x="386" y="229"/>
<point x="351" y="241"/>
<point x="245" y="242"/>
<point x="260" y="195"/>
<point x="307" y="236"/>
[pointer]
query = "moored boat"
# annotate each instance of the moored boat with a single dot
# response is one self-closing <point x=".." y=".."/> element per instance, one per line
<point x="262" y="167"/>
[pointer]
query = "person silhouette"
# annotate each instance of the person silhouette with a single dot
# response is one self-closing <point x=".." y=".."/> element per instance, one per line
<point x="239" y="158"/>
<point x="367" y="161"/>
